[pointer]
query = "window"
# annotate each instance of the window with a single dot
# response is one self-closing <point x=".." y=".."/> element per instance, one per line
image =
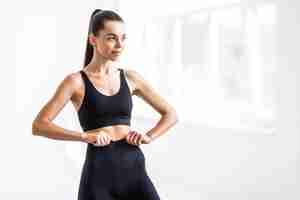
<point x="215" y="65"/>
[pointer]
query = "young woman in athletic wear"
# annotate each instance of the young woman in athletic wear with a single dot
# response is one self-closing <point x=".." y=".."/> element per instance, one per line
<point x="101" y="93"/>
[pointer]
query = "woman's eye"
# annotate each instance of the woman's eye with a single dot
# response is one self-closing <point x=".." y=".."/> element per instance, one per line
<point x="114" y="38"/>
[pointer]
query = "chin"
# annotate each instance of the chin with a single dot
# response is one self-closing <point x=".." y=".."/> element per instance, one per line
<point x="115" y="58"/>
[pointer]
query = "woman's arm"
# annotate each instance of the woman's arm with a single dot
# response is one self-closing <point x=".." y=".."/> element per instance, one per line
<point x="43" y="125"/>
<point x="144" y="90"/>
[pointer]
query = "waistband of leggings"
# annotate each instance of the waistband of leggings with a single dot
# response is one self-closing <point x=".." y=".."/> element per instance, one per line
<point x="111" y="144"/>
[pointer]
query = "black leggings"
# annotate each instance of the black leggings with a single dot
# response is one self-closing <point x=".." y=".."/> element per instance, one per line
<point x="115" y="172"/>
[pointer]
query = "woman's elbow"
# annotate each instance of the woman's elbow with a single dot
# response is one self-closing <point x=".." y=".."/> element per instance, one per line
<point x="34" y="128"/>
<point x="37" y="126"/>
<point x="176" y="118"/>
<point x="174" y="115"/>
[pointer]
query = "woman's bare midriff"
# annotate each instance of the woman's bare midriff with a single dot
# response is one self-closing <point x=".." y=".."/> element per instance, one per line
<point x="117" y="132"/>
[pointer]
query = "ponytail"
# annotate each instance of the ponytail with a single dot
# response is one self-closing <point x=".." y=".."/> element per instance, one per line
<point x="89" y="48"/>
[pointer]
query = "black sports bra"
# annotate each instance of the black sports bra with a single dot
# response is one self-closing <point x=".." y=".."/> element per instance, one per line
<point x="98" y="110"/>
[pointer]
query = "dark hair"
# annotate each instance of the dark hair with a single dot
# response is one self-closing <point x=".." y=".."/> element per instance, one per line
<point x="97" y="22"/>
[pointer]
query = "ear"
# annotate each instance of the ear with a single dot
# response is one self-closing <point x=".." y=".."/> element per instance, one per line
<point x="92" y="39"/>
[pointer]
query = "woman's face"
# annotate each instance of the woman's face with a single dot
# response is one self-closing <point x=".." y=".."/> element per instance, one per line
<point x="110" y="41"/>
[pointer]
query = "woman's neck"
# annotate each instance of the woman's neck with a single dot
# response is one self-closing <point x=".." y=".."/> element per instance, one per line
<point x="101" y="68"/>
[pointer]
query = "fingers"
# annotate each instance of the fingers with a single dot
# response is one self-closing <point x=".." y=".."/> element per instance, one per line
<point x="102" y="140"/>
<point x="134" y="138"/>
<point x="139" y="139"/>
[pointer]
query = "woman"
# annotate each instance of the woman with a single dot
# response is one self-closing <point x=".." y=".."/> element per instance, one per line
<point x="101" y="93"/>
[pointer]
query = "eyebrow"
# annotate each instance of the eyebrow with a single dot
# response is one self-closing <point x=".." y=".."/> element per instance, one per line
<point x="108" y="34"/>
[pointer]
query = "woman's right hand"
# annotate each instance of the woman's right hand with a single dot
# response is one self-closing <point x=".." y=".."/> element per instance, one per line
<point x="97" y="138"/>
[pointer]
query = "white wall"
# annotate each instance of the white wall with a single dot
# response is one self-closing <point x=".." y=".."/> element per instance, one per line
<point x="186" y="163"/>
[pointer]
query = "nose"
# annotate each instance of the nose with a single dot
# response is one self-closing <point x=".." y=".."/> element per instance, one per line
<point x="119" y="43"/>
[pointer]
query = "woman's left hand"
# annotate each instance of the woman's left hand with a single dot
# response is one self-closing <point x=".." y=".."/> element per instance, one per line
<point x="136" y="138"/>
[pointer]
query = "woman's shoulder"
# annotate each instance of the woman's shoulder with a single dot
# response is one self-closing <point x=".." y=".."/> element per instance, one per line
<point x="131" y="78"/>
<point x="136" y="79"/>
<point x="73" y="76"/>
<point x="72" y="79"/>
<point x="131" y="73"/>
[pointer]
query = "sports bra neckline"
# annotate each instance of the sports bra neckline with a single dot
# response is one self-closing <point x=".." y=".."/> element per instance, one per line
<point x="99" y="92"/>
